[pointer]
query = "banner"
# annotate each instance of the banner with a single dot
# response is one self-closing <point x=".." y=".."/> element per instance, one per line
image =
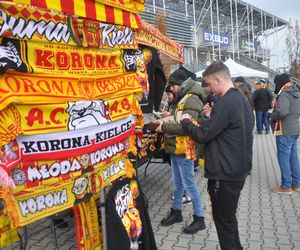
<point x="37" y="88"/>
<point x="63" y="60"/>
<point x="152" y="37"/>
<point x="41" y="203"/>
<point x="209" y="36"/>
<point x="31" y="175"/>
<point x="28" y="119"/>
<point x="37" y="25"/>
<point x="90" y="9"/>
<point x="65" y="144"/>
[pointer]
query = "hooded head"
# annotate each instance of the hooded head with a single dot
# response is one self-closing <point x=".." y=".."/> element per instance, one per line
<point x="180" y="75"/>
<point x="279" y="81"/>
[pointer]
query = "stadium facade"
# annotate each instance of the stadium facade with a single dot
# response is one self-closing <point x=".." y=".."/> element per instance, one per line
<point x="217" y="29"/>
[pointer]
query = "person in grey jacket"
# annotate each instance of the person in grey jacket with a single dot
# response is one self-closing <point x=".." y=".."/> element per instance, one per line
<point x="286" y="119"/>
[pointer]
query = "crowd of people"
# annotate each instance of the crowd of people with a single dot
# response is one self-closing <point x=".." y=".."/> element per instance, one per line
<point x="219" y="114"/>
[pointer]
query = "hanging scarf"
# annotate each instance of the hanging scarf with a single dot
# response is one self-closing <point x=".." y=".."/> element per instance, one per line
<point x="86" y="226"/>
<point x="30" y="206"/>
<point x="50" y="117"/>
<point x="92" y="9"/>
<point x="65" y="144"/>
<point x="64" y="60"/>
<point x="38" y="25"/>
<point x="278" y="124"/>
<point x="38" y="88"/>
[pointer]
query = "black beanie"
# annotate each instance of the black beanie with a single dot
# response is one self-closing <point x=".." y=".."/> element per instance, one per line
<point x="240" y="79"/>
<point x="279" y="81"/>
<point x="180" y="75"/>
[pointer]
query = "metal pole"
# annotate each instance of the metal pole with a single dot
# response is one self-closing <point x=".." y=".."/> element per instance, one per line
<point x="248" y="29"/>
<point x="232" y="29"/>
<point x="103" y="216"/>
<point x="267" y="37"/>
<point x="195" y="30"/>
<point x="153" y="3"/>
<point x="252" y="27"/>
<point x="186" y="9"/>
<point x="262" y="32"/>
<point x="164" y="5"/>
<point x="237" y="30"/>
<point x="218" y="26"/>
<point x="212" y="28"/>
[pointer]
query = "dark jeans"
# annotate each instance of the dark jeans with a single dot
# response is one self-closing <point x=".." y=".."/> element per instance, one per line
<point x="224" y="196"/>
<point x="262" y="118"/>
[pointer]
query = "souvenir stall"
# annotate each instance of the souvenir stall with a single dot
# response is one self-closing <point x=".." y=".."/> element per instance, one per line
<point x="72" y="77"/>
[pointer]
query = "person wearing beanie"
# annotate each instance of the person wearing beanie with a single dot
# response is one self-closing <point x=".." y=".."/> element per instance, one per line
<point x="241" y="80"/>
<point x="189" y="100"/>
<point x="285" y="121"/>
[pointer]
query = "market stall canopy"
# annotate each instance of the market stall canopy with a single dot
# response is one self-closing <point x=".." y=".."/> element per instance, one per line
<point x="240" y="70"/>
<point x="151" y="36"/>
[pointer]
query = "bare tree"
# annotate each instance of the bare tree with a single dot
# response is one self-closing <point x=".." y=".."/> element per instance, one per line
<point x="293" y="48"/>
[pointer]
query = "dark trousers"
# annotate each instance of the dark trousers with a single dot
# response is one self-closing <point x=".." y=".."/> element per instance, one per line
<point x="224" y="196"/>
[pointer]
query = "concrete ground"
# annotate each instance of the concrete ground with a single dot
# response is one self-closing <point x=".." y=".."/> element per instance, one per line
<point x="266" y="220"/>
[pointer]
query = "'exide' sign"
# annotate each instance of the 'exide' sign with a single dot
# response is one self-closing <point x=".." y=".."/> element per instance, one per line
<point x="222" y="38"/>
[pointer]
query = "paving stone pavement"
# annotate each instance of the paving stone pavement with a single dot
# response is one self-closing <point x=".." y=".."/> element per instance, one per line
<point x="266" y="220"/>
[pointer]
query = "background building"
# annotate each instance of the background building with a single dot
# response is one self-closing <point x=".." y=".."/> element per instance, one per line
<point x="218" y="29"/>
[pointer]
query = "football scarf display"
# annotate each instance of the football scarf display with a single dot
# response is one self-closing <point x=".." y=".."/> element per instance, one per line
<point x="64" y="60"/>
<point x="37" y="25"/>
<point x="28" y="119"/>
<point x="87" y="226"/>
<point x="36" y="88"/>
<point x="93" y="9"/>
<point x="36" y="174"/>
<point x="151" y="36"/>
<point x="127" y="218"/>
<point x="65" y="144"/>
<point x="45" y="201"/>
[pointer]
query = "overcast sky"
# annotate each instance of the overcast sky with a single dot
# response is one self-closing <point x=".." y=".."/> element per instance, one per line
<point x="284" y="9"/>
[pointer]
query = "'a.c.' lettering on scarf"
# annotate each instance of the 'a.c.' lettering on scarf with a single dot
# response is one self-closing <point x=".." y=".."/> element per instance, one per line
<point x="50" y="117"/>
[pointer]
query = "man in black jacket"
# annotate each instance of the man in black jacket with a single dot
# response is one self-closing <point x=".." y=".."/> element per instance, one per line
<point x="262" y="99"/>
<point x="228" y="139"/>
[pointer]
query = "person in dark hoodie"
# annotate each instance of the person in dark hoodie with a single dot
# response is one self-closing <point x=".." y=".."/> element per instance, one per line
<point x="286" y="118"/>
<point x="262" y="99"/>
<point x="227" y="138"/>
<point x="190" y="96"/>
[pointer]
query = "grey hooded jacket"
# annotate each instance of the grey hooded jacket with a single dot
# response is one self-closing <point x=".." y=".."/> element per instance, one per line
<point x="288" y="110"/>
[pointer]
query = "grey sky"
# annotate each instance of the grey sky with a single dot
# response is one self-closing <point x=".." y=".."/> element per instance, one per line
<point x="284" y="9"/>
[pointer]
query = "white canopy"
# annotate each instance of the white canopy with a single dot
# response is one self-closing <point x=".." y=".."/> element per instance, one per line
<point x="240" y="70"/>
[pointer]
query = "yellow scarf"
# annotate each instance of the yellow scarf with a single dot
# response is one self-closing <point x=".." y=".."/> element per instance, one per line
<point x="49" y="117"/>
